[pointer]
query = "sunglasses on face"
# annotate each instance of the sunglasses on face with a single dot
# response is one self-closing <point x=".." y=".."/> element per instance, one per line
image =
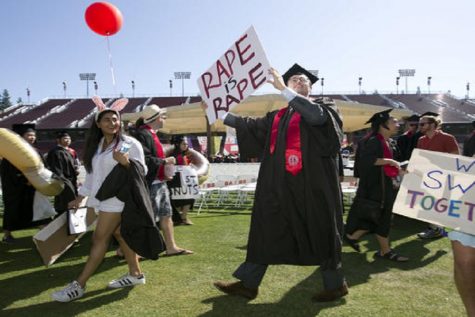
<point x="297" y="79"/>
<point x="413" y="124"/>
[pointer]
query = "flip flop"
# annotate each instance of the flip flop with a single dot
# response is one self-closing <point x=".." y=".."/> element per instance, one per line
<point x="182" y="252"/>
<point x="391" y="255"/>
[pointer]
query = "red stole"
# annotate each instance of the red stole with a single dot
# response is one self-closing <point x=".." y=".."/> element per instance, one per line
<point x="182" y="160"/>
<point x="159" y="148"/>
<point x="389" y="170"/>
<point x="293" y="153"/>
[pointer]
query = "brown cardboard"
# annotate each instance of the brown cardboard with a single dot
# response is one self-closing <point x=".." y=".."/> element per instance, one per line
<point x="53" y="240"/>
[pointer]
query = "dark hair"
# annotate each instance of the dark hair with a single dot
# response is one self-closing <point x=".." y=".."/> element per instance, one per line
<point x="140" y="122"/>
<point x="176" y="141"/>
<point x="375" y="125"/>
<point x="93" y="137"/>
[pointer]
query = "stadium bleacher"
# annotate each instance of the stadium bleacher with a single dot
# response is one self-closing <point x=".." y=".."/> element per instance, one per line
<point x="55" y="114"/>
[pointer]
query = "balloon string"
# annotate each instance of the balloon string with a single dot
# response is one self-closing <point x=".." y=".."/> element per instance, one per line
<point x="110" y="63"/>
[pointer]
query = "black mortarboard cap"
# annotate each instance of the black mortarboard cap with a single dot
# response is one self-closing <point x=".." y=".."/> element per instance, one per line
<point x="430" y="113"/>
<point x="62" y="134"/>
<point x="413" y="118"/>
<point x="297" y="69"/>
<point x="22" y="128"/>
<point x="380" y="117"/>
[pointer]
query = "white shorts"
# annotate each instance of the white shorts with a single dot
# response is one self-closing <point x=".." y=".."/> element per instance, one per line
<point x="109" y="205"/>
<point x="466" y="239"/>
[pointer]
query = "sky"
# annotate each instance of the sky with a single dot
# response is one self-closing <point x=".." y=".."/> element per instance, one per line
<point x="47" y="42"/>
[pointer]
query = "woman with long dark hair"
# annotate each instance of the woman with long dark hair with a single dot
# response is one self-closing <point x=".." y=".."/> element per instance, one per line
<point x="105" y="148"/>
<point x="180" y="153"/>
<point x="378" y="171"/>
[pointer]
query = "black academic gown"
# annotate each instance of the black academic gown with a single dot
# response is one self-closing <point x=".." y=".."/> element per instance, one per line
<point x="406" y="144"/>
<point x="469" y="145"/>
<point x="296" y="219"/>
<point x="18" y="198"/>
<point x="61" y="163"/>
<point x="371" y="187"/>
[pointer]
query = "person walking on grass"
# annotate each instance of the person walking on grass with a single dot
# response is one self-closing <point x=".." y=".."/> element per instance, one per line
<point x="101" y="155"/>
<point x="297" y="212"/>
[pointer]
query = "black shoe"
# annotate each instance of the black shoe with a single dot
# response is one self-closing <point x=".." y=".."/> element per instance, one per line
<point x="353" y="243"/>
<point x="331" y="295"/>
<point x="236" y="288"/>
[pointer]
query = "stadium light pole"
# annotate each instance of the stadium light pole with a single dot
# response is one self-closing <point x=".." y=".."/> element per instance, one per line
<point x="28" y="93"/>
<point x="171" y="87"/>
<point x="322" y="83"/>
<point x="360" y="80"/>
<point x="407" y="73"/>
<point x="397" y="85"/>
<point x="132" y="82"/>
<point x="96" y="87"/>
<point x="182" y="76"/>
<point x="87" y="77"/>
<point x="428" y="83"/>
<point x="65" y="87"/>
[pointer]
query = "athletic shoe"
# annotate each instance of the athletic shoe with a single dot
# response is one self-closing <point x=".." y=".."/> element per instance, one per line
<point x="71" y="292"/>
<point x="431" y="233"/>
<point x="127" y="280"/>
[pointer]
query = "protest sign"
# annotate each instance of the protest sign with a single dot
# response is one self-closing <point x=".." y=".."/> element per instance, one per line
<point x="440" y="189"/>
<point x="241" y="70"/>
<point x="187" y="187"/>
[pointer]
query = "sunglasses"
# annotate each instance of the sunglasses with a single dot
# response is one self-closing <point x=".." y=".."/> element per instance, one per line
<point x="413" y="124"/>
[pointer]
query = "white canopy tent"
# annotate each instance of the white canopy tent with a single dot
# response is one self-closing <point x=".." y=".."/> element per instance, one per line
<point x="191" y="118"/>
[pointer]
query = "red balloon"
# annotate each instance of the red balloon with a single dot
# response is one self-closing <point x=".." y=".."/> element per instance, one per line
<point x="103" y="18"/>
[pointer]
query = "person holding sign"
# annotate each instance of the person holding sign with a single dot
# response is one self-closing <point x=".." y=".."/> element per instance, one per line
<point x="434" y="139"/>
<point x="378" y="169"/>
<point x="180" y="154"/>
<point x="463" y="246"/>
<point x="297" y="212"/>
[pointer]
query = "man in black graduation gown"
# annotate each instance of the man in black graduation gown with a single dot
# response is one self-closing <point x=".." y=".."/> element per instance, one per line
<point x="297" y="212"/>
<point x="18" y="193"/>
<point x="407" y="142"/>
<point x="62" y="163"/>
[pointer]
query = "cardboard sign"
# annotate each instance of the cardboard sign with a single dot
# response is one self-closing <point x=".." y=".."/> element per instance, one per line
<point x="53" y="240"/>
<point x="189" y="184"/>
<point x="241" y="70"/>
<point x="440" y="189"/>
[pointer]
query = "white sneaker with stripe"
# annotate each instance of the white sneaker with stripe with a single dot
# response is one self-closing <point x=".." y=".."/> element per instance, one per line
<point x="127" y="280"/>
<point x="71" y="292"/>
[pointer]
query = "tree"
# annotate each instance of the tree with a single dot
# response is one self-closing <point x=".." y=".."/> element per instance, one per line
<point x="5" y="101"/>
<point x="19" y="100"/>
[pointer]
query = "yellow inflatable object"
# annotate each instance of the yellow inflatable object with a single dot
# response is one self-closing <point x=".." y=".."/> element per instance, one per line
<point x="24" y="157"/>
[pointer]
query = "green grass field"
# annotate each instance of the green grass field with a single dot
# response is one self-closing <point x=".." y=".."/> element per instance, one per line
<point x="182" y="286"/>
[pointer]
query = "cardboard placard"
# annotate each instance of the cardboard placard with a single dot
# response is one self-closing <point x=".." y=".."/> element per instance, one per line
<point x="189" y="184"/>
<point x="440" y="189"/>
<point x="241" y="70"/>
<point x="53" y="240"/>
